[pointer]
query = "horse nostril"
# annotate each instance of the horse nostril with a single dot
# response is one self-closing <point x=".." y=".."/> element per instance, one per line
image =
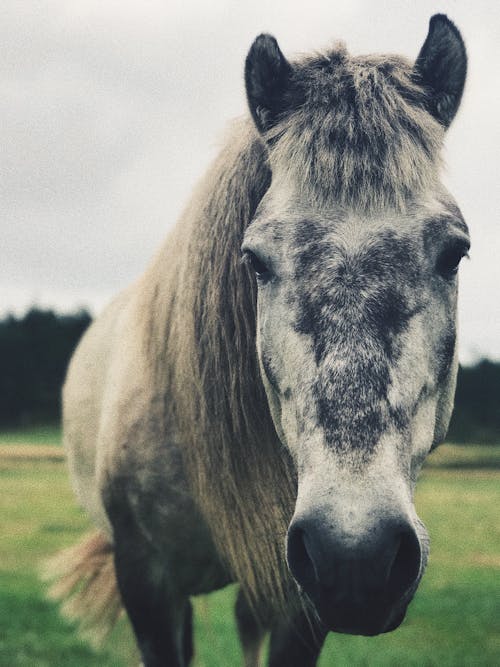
<point x="299" y="557"/>
<point x="405" y="567"/>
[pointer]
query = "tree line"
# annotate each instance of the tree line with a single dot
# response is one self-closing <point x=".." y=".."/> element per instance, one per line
<point x="35" y="350"/>
<point x="34" y="354"/>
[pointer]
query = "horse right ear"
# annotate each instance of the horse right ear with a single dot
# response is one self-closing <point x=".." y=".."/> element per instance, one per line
<point x="441" y="66"/>
<point x="267" y="80"/>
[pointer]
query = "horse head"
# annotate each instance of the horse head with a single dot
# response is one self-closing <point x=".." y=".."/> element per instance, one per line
<point x="355" y="248"/>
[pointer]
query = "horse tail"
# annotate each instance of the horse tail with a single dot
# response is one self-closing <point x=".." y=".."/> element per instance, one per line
<point x="83" y="578"/>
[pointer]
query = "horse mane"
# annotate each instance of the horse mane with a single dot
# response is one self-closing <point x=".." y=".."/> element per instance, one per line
<point x="360" y="135"/>
<point x="201" y="337"/>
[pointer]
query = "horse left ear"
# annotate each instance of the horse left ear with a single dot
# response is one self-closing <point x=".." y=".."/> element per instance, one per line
<point x="267" y="80"/>
<point x="441" y="67"/>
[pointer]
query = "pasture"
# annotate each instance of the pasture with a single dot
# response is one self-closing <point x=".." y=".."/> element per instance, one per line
<point x="454" y="620"/>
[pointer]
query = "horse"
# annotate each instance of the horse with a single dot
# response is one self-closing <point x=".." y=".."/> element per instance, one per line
<point x="257" y="406"/>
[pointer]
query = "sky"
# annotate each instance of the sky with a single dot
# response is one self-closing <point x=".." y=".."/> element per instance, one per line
<point x="110" y="111"/>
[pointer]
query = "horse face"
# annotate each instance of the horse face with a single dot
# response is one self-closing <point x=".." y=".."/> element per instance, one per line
<point x="356" y="311"/>
<point x="356" y="342"/>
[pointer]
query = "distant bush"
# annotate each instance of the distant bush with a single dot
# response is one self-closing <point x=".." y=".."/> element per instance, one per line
<point x="34" y="354"/>
<point x="476" y="417"/>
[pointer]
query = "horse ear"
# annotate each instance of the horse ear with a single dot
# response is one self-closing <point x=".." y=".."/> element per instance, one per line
<point x="267" y="80"/>
<point x="441" y="67"/>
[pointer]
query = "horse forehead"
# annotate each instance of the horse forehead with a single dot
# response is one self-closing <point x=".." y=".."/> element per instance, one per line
<point x="355" y="294"/>
<point x="376" y="249"/>
<point x="355" y="291"/>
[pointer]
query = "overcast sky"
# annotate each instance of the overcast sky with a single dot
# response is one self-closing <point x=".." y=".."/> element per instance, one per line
<point x="111" y="110"/>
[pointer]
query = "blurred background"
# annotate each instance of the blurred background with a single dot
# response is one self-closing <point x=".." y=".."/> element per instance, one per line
<point x="110" y="112"/>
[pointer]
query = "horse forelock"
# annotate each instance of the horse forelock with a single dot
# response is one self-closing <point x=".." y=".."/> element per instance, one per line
<point x="357" y="131"/>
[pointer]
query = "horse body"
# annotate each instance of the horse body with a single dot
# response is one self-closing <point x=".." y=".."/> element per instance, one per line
<point x="121" y="442"/>
<point x="210" y="418"/>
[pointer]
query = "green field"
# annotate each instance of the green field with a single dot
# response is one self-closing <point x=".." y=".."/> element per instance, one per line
<point x="453" y="621"/>
<point x="35" y="435"/>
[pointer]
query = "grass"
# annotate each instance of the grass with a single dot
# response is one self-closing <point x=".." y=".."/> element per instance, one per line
<point x="453" y="621"/>
<point x="34" y="435"/>
<point x="465" y="456"/>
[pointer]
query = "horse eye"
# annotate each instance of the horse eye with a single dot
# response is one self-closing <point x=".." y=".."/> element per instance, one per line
<point x="258" y="266"/>
<point x="449" y="259"/>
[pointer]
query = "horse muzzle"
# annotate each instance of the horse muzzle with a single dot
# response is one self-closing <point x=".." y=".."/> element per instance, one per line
<point x="358" y="584"/>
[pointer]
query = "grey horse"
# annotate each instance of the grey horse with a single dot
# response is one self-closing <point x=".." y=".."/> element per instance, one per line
<point x="257" y="406"/>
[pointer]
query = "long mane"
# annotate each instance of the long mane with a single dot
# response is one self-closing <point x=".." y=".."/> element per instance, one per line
<point x="202" y="337"/>
<point x="361" y="134"/>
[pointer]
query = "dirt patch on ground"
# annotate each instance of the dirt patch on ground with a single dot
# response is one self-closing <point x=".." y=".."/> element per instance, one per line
<point x="31" y="453"/>
<point x="486" y="560"/>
